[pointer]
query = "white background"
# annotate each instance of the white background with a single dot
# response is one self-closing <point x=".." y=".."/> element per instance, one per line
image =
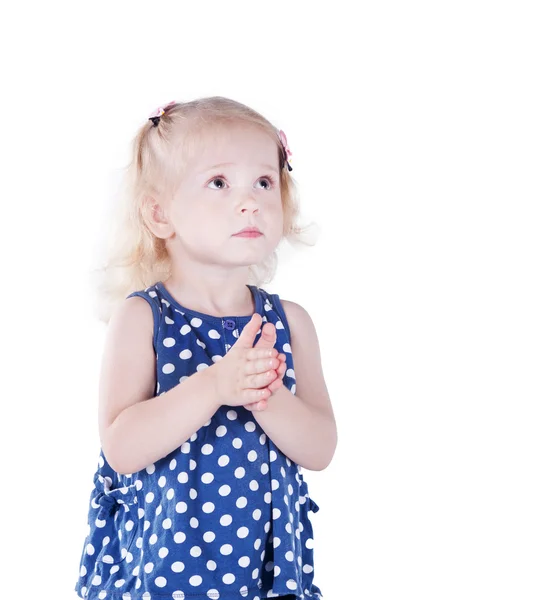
<point x="424" y="139"/>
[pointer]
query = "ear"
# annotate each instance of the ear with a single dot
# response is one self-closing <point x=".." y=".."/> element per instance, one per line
<point x="156" y="219"/>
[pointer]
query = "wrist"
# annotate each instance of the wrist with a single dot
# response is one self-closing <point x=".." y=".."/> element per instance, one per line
<point x="212" y="375"/>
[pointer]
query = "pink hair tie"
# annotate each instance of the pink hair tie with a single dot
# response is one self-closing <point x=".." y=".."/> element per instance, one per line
<point x="156" y="115"/>
<point x="286" y="150"/>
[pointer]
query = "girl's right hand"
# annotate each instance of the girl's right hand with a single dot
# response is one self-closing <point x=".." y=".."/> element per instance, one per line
<point x="243" y="374"/>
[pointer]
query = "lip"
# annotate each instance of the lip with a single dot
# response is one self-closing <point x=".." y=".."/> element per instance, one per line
<point x="249" y="232"/>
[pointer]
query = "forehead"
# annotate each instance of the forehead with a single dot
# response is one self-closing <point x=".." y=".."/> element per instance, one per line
<point x="238" y="143"/>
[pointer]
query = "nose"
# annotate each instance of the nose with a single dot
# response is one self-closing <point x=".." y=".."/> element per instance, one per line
<point x="249" y="203"/>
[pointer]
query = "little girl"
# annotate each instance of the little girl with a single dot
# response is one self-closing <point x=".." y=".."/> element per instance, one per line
<point x="199" y="491"/>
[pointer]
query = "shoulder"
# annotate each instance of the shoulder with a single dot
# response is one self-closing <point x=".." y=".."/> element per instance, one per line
<point x="310" y="383"/>
<point x="300" y="322"/>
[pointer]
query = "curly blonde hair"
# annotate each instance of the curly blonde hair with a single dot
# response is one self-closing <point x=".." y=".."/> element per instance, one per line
<point x="135" y="257"/>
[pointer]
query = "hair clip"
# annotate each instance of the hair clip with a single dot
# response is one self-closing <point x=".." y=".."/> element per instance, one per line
<point x="156" y="115"/>
<point x="286" y="150"/>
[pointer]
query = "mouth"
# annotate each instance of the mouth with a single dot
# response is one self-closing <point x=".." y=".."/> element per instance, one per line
<point x="249" y="232"/>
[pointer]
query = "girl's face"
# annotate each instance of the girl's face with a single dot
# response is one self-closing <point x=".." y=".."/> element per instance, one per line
<point x="232" y="182"/>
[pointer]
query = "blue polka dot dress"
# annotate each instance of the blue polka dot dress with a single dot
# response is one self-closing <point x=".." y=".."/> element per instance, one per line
<point x="226" y="514"/>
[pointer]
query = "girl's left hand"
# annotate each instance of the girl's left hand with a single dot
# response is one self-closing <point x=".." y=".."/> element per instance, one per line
<point x="273" y="386"/>
<point x="267" y="340"/>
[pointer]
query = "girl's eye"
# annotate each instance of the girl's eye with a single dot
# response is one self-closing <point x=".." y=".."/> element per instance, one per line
<point x="218" y="180"/>
<point x="269" y="182"/>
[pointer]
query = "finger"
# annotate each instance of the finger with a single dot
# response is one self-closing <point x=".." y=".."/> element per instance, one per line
<point x="261" y="380"/>
<point x="256" y="367"/>
<point x="249" y="332"/>
<point x="268" y="337"/>
<point x="253" y="396"/>
<point x="257" y="406"/>
<point x="255" y="353"/>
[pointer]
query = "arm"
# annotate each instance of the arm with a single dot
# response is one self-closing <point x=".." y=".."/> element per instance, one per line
<point x="136" y="429"/>
<point x="302" y="425"/>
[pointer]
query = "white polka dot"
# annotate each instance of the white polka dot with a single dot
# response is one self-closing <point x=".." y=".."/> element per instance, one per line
<point x="250" y="426"/>
<point x="162" y="481"/>
<point x="163" y="552"/>
<point x="241" y="502"/>
<point x="182" y="477"/>
<point x="195" y="551"/>
<point x="244" y="561"/>
<point x="309" y="543"/>
<point x="169" y="342"/>
<point x="237" y="443"/>
<point x="276" y="570"/>
<point x="214" y="334"/>
<point x="121" y="582"/>
<point x="213" y="594"/>
<point x="276" y="542"/>
<point x="90" y="549"/>
<point x="257" y="514"/>
<point x="254" y="485"/>
<point x="168" y="368"/>
<point x="239" y="472"/>
<point x="264" y="468"/>
<point x="196" y="322"/>
<point x="211" y="565"/>
<point x="167" y="524"/>
<point x="242" y="532"/>
<point x="208" y="507"/>
<point x="193" y="464"/>
<point x="289" y="555"/>
<point x="308" y="568"/>
<point x="177" y="566"/>
<point x="207" y="449"/>
<point x="223" y="460"/>
<point x="181" y="507"/>
<point x="200" y="343"/>
<point x="267" y="497"/>
<point x="231" y="415"/>
<point x="179" y="537"/>
<point x="194" y="523"/>
<point x="148" y="567"/>
<point x="195" y="580"/>
<point x="185" y="448"/>
<point x="274" y="484"/>
<point x="170" y="494"/>
<point x="207" y="477"/>
<point x="220" y="431"/>
<point x="276" y="513"/>
<point x="226" y="549"/>
<point x="252" y="455"/>
<point x="287" y="348"/>
<point x="225" y="520"/>
<point x="160" y="582"/>
<point x="185" y="329"/>
<point x="208" y="536"/>
<point x="291" y="584"/>
<point x="185" y="354"/>
<point x="228" y="578"/>
<point x="225" y="490"/>
<point x="272" y="455"/>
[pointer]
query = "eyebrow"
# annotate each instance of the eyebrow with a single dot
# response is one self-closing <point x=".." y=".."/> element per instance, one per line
<point x="268" y="167"/>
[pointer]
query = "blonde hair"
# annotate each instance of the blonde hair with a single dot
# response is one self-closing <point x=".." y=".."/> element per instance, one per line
<point x="135" y="257"/>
